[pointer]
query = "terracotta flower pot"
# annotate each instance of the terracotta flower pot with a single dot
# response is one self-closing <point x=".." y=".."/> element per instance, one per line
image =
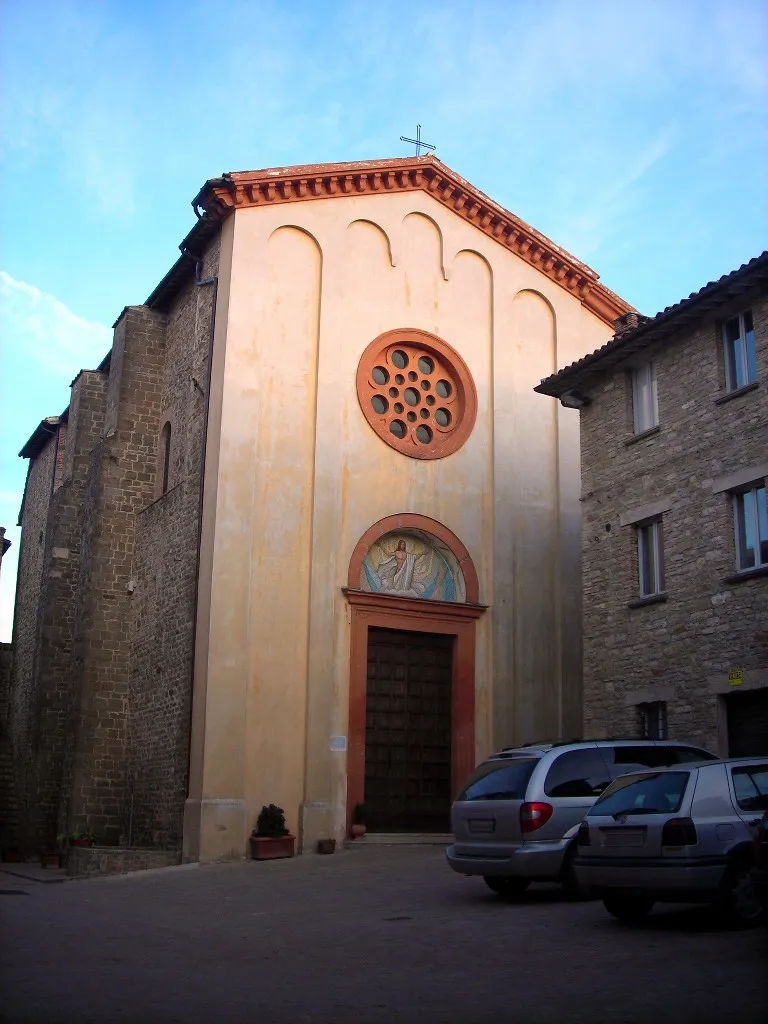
<point x="81" y="842"/>
<point x="269" y="848"/>
<point x="326" y="846"/>
<point x="357" y="831"/>
<point x="50" y="860"/>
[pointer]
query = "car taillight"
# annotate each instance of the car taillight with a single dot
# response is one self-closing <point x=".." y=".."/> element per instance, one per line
<point x="534" y="815"/>
<point x="679" y="832"/>
<point x="582" y="836"/>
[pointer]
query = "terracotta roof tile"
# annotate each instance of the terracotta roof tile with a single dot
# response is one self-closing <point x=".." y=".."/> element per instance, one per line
<point x="221" y="196"/>
<point x="651" y="329"/>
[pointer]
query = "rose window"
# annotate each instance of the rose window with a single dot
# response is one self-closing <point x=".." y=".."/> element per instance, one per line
<point x="417" y="393"/>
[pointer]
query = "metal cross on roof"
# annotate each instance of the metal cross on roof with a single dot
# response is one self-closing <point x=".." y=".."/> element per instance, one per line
<point x="417" y="141"/>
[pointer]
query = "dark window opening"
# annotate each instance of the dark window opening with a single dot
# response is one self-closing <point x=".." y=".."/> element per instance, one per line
<point x="166" y="445"/>
<point x="653" y="720"/>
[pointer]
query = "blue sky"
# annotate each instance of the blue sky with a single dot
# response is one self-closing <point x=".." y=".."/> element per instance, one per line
<point x="633" y="134"/>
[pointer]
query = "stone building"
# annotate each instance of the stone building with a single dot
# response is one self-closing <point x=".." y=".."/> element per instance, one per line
<point x="674" y="460"/>
<point x="4" y="544"/>
<point x="8" y="819"/>
<point x="307" y="536"/>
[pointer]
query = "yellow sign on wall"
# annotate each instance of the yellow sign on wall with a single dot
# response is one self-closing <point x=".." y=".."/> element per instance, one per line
<point x="735" y="677"/>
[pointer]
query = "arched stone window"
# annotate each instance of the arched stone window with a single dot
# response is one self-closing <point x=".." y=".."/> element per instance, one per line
<point x="165" y="455"/>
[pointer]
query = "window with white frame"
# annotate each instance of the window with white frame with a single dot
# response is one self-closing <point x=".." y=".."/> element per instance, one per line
<point x="645" y="405"/>
<point x="740" y="355"/>
<point x="750" y="513"/>
<point x="653" y="720"/>
<point x="650" y="558"/>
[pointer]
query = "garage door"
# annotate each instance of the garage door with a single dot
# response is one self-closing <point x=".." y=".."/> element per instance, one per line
<point x="748" y="723"/>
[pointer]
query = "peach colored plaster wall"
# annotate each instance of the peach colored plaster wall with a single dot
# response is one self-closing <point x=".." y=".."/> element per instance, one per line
<point x="301" y="476"/>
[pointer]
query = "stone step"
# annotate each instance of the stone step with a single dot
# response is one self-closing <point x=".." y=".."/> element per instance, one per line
<point x="399" y="839"/>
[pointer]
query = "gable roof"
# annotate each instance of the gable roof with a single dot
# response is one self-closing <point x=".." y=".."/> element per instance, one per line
<point x="634" y="336"/>
<point x="39" y="438"/>
<point x="241" y="189"/>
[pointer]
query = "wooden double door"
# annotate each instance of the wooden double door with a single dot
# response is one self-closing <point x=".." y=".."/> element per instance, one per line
<point x="408" y="731"/>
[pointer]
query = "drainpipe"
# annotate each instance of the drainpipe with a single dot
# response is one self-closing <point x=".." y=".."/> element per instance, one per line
<point x="200" y="282"/>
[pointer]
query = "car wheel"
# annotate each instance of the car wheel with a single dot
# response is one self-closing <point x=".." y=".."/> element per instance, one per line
<point x="628" y="908"/>
<point x="737" y="904"/>
<point x="507" y="888"/>
<point x="573" y="888"/>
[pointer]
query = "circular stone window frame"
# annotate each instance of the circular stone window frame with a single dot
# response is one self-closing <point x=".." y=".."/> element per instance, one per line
<point x="461" y="403"/>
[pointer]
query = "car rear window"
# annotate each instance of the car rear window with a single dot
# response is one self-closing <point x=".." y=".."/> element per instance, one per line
<point x="624" y="759"/>
<point x="750" y="784"/>
<point x="499" y="780"/>
<point x="685" y="755"/>
<point x="661" y="793"/>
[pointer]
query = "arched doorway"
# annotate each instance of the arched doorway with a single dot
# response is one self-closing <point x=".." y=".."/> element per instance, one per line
<point x="414" y="597"/>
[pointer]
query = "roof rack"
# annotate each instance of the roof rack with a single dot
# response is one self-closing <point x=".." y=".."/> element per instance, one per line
<point x="579" y="739"/>
<point x="548" y="743"/>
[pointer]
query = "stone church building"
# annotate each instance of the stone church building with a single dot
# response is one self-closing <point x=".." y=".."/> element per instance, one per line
<point x="307" y="535"/>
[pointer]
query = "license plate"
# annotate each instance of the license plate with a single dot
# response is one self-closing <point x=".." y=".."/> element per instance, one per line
<point x="482" y="825"/>
<point x="623" y="837"/>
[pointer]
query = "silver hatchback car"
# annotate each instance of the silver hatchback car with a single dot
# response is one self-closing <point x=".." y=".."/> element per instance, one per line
<point x="516" y="818"/>
<point x="678" y="835"/>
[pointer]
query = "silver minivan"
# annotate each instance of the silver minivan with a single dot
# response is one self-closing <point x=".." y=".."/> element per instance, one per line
<point x="677" y="835"/>
<point x="516" y="817"/>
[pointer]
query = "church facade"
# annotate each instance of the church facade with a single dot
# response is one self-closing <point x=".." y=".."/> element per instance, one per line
<point x="307" y="536"/>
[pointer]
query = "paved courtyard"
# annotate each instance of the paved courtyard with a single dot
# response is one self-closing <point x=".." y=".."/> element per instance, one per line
<point x="382" y="934"/>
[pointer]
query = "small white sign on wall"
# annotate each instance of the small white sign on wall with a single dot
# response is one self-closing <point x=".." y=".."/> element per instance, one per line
<point x="338" y="743"/>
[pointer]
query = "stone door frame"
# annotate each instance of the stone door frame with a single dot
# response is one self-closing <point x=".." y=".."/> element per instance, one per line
<point x="414" y="615"/>
<point x="417" y="616"/>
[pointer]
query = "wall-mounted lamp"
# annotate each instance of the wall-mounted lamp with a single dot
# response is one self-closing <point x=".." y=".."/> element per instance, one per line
<point x="574" y="400"/>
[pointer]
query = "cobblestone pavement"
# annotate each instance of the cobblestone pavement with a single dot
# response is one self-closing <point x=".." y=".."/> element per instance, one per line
<point x="387" y="934"/>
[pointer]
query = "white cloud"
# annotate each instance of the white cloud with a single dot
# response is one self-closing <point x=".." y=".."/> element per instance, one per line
<point x="48" y="331"/>
<point x="8" y="580"/>
<point x="45" y="344"/>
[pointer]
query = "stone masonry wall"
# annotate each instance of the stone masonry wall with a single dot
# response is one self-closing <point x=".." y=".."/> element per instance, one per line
<point x="26" y="623"/>
<point x="8" y="803"/>
<point x="106" y="602"/>
<point x="97" y="861"/>
<point x="121" y="483"/>
<point x="55" y="677"/>
<point x="163" y="603"/>
<point x="41" y="696"/>
<point x="681" y="649"/>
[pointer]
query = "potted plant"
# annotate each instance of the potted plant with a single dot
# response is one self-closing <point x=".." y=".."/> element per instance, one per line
<point x="326" y="845"/>
<point x="358" y="828"/>
<point x="80" y="837"/>
<point x="271" y="839"/>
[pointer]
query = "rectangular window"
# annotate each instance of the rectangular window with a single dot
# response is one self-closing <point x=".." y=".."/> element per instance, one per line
<point x="649" y="559"/>
<point x="740" y="355"/>
<point x="750" y="513"/>
<point x="653" y="720"/>
<point x="644" y="398"/>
